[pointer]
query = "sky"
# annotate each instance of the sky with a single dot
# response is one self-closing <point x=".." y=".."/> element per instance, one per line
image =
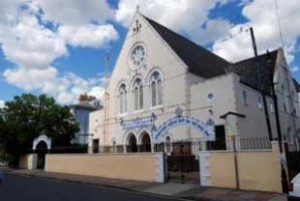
<point x="58" y="47"/>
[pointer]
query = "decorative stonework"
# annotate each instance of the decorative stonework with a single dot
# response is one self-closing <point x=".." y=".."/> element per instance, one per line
<point x="43" y="138"/>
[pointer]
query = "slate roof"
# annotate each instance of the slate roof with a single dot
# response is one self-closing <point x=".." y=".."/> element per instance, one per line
<point x="205" y="64"/>
<point x="297" y="86"/>
<point x="199" y="60"/>
<point x="249" y="72"/>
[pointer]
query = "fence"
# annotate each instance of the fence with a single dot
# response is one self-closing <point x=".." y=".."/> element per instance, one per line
<point x="190" y="146"/>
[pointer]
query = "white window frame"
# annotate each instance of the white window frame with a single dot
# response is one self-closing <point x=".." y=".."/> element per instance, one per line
<point x="122" y="99"/>
<point x="156" y="83"/>
<point x="138" y="95"/>
<point x="245" y="97"/>
<point x="259" y="102"/>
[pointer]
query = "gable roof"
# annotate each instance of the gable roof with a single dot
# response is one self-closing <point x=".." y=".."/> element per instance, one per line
<point x="297" y="86"/>
<point x="199" y="60"/>
<point x="249" y="73"/>
<point x="205" y="64"/>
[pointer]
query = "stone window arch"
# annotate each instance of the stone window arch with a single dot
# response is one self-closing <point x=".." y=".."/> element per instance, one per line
<point x="138" y="94"/>
<point x="122" y="99"/>
<point x="156" y="89"/>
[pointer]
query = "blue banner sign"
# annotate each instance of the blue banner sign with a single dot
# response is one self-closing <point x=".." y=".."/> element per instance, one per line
<point x="138" y="123"/>
<point x="206" y="128"/>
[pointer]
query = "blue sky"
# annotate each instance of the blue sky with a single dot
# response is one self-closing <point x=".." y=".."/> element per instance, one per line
<point x="62" y="53"/>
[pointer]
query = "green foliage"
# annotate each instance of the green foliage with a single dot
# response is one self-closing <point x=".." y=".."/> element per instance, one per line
<point x="26" y="117"/>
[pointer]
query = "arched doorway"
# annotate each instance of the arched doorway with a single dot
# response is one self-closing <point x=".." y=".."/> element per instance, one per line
<point x="41" y="150"/>
<point x="145" y="143"/>
<point x="132" y="145"/>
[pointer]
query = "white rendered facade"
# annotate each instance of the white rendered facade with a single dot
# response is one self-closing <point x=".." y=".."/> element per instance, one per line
<point x="151" y="84"/>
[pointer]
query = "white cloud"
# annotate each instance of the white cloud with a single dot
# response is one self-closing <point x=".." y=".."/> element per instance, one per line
<point x="30" y="79"/>
<point x="9" y="9"/>
<point x="2" y="104"/>
<point x="97" y="92"/>
<point x="91" y="35"/>
<point x="28" y="41"/>
<point x="75" y="12"/>
<point x="295" y="69"/>
<point x="262" y="17"/>
<point x="73" y="86"/>
<point x="31" y="45"/>
<point x="214" y="29"/>
<point x="66" y="89"/>
<point x="186" y="16"/>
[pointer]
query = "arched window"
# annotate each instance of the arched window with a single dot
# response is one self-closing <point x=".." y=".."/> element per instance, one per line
<point x="138" y="94"/>
<point x="123" y="99"/>
<point x="168" y="145"/>
<point x="156" y="89"/>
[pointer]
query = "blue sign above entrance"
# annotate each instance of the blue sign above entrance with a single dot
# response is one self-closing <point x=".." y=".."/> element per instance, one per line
<point x="206" y="128"/>
<point x="138" y="123"/>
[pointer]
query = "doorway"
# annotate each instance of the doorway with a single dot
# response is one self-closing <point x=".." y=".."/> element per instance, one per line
<point x="146" y="143"/>
<point x="132" y="145"/>
<point x="41" y="150"/>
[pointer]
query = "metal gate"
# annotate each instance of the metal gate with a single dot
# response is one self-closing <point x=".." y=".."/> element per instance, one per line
<point x="182" y="164"/>
<point x="293" y="162"/>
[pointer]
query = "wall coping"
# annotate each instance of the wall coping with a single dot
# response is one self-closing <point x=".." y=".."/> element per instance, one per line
<point x="106" y="154"/>
<point x="238" y="151"/>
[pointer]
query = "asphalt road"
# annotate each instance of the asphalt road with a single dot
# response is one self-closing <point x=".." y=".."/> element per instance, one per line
<point x="19" y="188"/>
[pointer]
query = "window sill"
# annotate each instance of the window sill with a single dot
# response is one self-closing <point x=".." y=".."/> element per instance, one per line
<point x="138" y="111"/>
<point x="156" y="107"/>
<point x="123" y="114"/>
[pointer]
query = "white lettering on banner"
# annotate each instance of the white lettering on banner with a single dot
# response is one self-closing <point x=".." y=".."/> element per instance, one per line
<point x="206" y="128"/>
<point x="138" y="123"/>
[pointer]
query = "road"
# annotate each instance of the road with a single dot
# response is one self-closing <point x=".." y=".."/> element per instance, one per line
<point x="18" y="188"/>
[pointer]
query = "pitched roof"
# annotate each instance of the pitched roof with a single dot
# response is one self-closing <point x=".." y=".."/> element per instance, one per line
<point x="249" y="72"/>
<point x="207" y="65"/>
<point x="199" y="60"/>
<point x="297" y="86"/>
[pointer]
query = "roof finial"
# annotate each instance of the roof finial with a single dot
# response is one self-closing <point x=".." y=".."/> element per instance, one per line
<point x="137" y="8"/>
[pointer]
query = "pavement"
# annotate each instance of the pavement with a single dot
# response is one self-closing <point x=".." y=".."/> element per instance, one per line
<point x="184" y="191"/>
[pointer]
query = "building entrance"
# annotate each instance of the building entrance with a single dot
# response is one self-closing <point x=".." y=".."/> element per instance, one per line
<point x="145" y="143"/>
<point x="41" y="150"/>
<point x="132" y="144"/>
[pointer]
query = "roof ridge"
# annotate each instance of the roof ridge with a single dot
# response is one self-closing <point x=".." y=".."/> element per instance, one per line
<point x="199" y="60"/>
<point x="184" y="38"/>
<point x="259" y="56"/>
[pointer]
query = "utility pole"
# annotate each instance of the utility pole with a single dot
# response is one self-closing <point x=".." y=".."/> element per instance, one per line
<point x="261" y="86"/>
<point x="282" y="156"/>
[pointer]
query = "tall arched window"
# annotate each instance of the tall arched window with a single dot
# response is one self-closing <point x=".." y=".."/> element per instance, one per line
<point x="138" y="94"/>
<point x="168" y="145"/>
<point x="156" y="89"/>
<point x="123" y="99"/>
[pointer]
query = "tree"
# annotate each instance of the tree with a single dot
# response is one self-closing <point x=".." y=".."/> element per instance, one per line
<point x="26" y="117"/>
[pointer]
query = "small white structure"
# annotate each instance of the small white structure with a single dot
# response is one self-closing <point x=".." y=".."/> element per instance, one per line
<point x="41" y="138"/>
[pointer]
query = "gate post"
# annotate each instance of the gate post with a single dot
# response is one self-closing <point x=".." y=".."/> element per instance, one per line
<point x="181" y="162"/>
